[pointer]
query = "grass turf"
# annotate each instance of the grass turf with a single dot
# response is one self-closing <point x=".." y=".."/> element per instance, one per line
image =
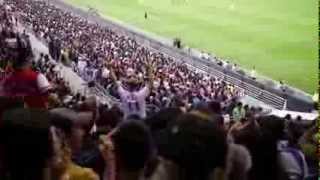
<point x="278" y="37"/>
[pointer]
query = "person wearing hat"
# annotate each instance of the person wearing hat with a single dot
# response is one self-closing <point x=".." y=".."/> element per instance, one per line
<point x="133" y="98"/>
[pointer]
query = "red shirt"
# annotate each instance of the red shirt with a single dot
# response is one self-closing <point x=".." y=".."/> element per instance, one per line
<point x="24" y="83"/>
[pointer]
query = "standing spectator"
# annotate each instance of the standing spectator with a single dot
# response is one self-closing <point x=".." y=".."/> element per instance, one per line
<point x="291" y="158"/>
<point x="192" y="148"/>
<point x="69" y="133"/>
<point x="51" y="46"/>
<point x="308" y="143"/>
<point x="133" y="99"/>
<point x="24" y="83"/>
<point x="81" y="66"/>
<point x="128" y="151"/>
<point x="145" y="15"/>
<point x="25" y="141"/>
<point x="238" y="112"/>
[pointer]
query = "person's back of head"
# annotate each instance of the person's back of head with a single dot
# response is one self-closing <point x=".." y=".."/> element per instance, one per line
<point x="21" y="53"/>
<point x="288" y="117"/>
<point x="196" y="145"/>
<point x="26" y="142"/>
<point x="109" y="118"/>
<point x="265" y="153"/>
<point x="75" y="125"/>
<point x="133" y="146"/>
<point x="273" y="126"/>
<point x="162" y="119"/>
<point x="295" y="131"/>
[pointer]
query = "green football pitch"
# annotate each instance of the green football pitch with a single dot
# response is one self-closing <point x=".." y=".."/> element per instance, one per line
<point x="277" y="37"/>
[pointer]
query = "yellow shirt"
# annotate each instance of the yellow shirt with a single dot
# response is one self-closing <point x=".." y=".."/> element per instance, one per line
<point x="76" y="172"/>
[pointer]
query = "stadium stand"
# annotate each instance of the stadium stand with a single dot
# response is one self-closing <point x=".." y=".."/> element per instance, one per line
<point x="291" y="100"/>
<point x="76" y="137"/>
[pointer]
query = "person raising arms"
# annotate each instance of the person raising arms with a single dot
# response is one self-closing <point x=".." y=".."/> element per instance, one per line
<point x="132" y="97"/>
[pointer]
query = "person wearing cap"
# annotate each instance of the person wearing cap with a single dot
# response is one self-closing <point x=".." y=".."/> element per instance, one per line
<point x="133" y="99"/>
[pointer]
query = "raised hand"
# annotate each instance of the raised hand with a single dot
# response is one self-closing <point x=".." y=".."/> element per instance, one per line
<point x="107" y="150"/>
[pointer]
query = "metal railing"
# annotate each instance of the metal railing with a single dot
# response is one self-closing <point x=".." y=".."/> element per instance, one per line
<point x="195" y="63"/>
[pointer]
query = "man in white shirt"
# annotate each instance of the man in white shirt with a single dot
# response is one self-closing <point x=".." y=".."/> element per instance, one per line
<point x="133" y="100"/>
<point x="105" y="73"/>
<point x="81" y="67"/>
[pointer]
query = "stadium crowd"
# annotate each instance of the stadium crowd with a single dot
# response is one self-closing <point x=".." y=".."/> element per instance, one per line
<point x="69" y="137"/>
<point x="96" y="50"/>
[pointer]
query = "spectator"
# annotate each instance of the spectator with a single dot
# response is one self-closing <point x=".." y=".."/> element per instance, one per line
<point x="69" y="133"/>
<point x="132" y="144"/>
<point x="264" y="150"/>
<point x="27" y="145"/>
<point x="292" y="160"/>
<point x="172" y="79"/>
<point x="24" y="82"/>
<point x="132" y="98"/>
<point x="308" y="143"/>
<point x="238" y="112"/>
<point x="188" y="138"/>
<point x="253" y="73"/>
<point x="192" y="149"/>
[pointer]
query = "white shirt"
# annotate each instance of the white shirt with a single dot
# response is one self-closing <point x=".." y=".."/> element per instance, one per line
<point x="81" y="66"/>
<point x="43" y="83"/>
<point x="289" y="163"/>
<point x="105" y="73"/>
<point x="133" y="103"/>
